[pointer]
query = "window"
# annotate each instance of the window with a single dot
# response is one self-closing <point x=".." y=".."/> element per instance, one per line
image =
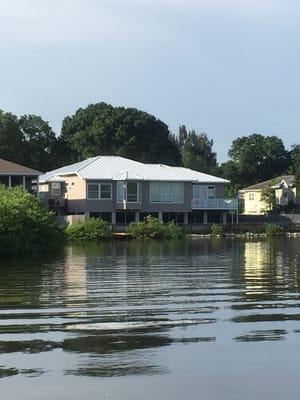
<point x="211" y="192"/>
<point x="251" y="196"/>
<point x="129" y="191"/>
<point x="56" y="189"/>
<point x="93" y="191"/>
<point x="285" y="194"/>
<point x="166" y="192"/>
<point x="105" y="191"/>
<point x="99" y="191"/>
<point x="132" y="192"/>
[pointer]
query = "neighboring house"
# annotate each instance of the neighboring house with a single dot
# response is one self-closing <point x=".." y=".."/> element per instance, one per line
<point x="12" y="174"/>
<point x="284" y="191"/>
<point x="120" y="190"/>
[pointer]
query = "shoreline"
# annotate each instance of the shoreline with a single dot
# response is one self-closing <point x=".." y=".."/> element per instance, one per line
<point x="246" y="235"/>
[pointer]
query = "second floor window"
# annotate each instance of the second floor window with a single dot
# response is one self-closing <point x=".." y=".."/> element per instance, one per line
<point x="166" y="192"/>
<point x="56" y="189"/>
<point x="129" y="191"/>
<point x="100" y="191"/>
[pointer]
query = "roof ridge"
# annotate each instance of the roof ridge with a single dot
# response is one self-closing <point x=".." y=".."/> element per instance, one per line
<point x="92" y="159"/>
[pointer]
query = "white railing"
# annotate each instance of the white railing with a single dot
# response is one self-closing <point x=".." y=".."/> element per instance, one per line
<point x="216" y="204"/>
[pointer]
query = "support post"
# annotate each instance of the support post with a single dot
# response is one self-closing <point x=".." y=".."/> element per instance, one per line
<point x="205" y="218"/>
<point x="24" y="182"/>
<point x="186" y="218"/>
<point x="113" y="218"/>
<point x="137" y="216"/>
<point x="9" y="181"/>
<point x="160" y="216"/>
<point x="224" y="219"/>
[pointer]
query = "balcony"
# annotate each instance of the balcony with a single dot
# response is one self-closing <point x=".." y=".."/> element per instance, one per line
<point x="214" y="204"/>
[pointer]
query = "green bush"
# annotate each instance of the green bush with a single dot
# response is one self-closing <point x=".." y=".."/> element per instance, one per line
<point x="274" y="230"/>
<point x="152" y="228"/>
<point x="216" y="230"/>
<point x="25" y="225"/>
<point x="90" y="229"/>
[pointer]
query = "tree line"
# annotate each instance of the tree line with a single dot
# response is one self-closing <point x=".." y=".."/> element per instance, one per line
<point x="101" y="129"/>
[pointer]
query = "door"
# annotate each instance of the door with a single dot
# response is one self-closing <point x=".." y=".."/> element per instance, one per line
<point x="200" y="195"/>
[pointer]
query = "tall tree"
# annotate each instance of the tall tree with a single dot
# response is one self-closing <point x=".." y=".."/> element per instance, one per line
<point x="196" y="151"/>
<point x="257" y="158"/>
<point x="103" y="129"/>
<point x="11" y="138"/>
<point x="39" y="142"/>
<point x="295" y="166"/>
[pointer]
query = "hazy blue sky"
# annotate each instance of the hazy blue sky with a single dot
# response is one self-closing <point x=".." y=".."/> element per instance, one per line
<point x="225" y="67"/>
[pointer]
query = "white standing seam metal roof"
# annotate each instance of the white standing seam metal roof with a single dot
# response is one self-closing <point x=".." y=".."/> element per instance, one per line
<point x="119" y="168"/>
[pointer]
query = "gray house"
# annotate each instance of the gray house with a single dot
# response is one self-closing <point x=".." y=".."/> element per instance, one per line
<point x="120" y="190"/>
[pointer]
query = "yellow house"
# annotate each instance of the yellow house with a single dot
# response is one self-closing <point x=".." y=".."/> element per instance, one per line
<point x="285" y="193"/>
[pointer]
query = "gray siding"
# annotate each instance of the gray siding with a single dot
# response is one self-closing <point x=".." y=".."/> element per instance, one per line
<point x="85" y="205"/>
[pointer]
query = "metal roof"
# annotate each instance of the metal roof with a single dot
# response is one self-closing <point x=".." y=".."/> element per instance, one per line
<point x="120" y="168"/>
<point x="272" y="183"/>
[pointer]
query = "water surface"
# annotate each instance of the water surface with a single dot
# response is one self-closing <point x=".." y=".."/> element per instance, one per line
<point x="148" y="320"/>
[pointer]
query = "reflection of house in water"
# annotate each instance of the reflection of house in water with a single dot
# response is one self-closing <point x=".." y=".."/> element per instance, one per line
<point x="75" y="277"/>
<point x="262" y="265"/>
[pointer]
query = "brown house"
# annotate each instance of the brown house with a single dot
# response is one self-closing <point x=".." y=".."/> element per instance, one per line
<point x="12" y="174"/>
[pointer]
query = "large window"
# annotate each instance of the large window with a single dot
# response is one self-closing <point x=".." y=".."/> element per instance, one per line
<point x="129" y="191"/>
<point x="99" y="191"/>
<point x="166" y="192"/>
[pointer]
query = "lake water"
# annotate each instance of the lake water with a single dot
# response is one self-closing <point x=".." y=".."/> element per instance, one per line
<point x="193" y="319"/>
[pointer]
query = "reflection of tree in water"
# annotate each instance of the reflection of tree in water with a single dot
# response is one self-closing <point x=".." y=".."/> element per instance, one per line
<point x="118" y="355"/>
<point x="115" y="355"/>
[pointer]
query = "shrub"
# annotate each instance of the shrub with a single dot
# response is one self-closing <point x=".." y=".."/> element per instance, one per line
<point x="216" y="230"/>
<point x="25" y="225"/>
<point x="152" y="228"/>
<point x="173" y="231"/>
<point x="90" y="229"/>
<point x="274" y="230"/>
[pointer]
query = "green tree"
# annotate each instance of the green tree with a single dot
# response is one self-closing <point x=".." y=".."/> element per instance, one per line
<point x="196" y="151"/>
<point x="256" y="158"/>
<point x="11" y="138"/>
<point x="25" y="226"/>
<point x="295" y="167"/>
<point x="39" y="142"/>
<point x="103" y="129"/>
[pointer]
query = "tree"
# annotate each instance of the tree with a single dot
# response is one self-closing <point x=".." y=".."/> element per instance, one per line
<point x="11" y="138"/>
<point x="27" y="140"/>
<point x="25" y="225"/>
<point x="257" y="158"/>
<point x="103" y="129"/>
<point x="295" y="166"/>
<point x="196" y="151"/>
<point x="39" y="142"/>
<point x="268" y="196"/>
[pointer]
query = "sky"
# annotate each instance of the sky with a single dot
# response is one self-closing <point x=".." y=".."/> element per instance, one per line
<point x="228" y="68"/>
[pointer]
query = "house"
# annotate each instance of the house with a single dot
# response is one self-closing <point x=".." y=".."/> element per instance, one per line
<point x="12" y="174"/>
<point x="284" y="194"/>
<point x="121" y="190"/>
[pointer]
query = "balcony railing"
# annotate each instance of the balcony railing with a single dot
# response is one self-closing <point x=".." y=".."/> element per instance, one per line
<point x="215" y="204"/>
